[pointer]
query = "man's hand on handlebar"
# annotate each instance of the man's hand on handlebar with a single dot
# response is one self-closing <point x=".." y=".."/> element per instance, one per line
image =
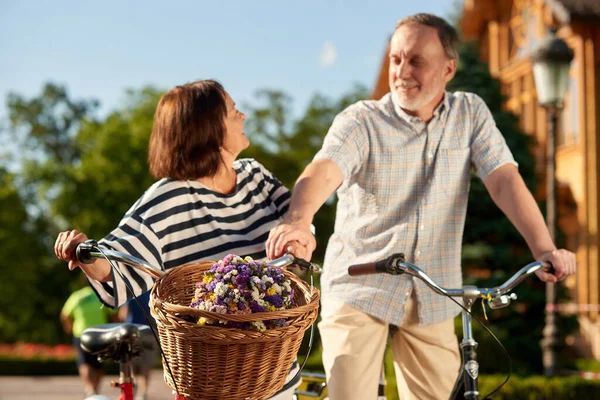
<point x="280" y="237"/>
<point x="65" y="246"/>
<point x="563" y="263"/>
<point x="298" y="250"/>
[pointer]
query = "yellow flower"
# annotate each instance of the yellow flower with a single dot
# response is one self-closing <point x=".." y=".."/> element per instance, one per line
<point x="210" y="296"/>
<point x="208" y="279"/>
<point x="194" y="300"/>
<point x="202" y="321"/>
<point x="248" y="259"/>
<point x="271" y="291"/>
<point x="271" y="308"/>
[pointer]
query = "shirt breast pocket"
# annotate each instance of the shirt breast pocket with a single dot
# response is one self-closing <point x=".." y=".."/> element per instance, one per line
<point x="453" y="168"/>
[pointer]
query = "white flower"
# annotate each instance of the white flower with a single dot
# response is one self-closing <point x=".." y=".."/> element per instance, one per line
<point x="259" y="325"/>
<point x="221" y="289"/>
<point x="277" y="288"/>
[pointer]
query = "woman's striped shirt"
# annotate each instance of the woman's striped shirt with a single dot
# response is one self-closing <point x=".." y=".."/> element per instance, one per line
<point x="178" y="222"/>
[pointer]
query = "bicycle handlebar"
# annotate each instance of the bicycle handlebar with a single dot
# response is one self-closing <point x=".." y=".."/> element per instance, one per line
<point x="396" y="265"/>
<point x="88" y="251"/>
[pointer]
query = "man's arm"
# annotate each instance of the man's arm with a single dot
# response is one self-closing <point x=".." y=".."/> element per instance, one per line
<point x="67" y="323"/>
<point x="315" y="185"/>
<point x="509" y="192"/>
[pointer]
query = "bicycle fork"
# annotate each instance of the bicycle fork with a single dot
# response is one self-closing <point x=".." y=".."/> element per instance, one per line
<point x="467" y="384"/>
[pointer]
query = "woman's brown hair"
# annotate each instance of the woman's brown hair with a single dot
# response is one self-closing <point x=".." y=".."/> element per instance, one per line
<point x="188" y="131"/>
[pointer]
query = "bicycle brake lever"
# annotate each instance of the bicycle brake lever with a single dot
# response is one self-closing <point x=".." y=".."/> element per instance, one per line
<point x="305" y="265"/>
<point x="392" y="264"/>
<point x="83" y="251"/>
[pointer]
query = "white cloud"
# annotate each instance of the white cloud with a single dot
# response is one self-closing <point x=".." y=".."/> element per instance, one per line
<point x="328" y="54"/>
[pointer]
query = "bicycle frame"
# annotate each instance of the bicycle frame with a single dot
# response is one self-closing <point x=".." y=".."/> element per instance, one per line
<point x="496" y="297"/>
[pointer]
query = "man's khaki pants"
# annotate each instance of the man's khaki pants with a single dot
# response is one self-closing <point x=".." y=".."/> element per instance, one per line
<point x="426" y="360"/>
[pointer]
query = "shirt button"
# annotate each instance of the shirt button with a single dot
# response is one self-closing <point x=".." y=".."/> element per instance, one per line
<point x="422" y="227"/>
<point x="430" y="155"/>
<point x="418" y="253"/>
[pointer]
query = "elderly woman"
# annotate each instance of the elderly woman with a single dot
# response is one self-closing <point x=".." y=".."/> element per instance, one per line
<point x="205" y="203"/>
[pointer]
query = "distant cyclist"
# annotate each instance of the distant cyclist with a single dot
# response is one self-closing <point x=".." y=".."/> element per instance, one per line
<point x="83" y="310"/>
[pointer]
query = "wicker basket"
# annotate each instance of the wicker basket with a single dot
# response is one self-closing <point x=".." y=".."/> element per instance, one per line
<point x="216" y="363"/>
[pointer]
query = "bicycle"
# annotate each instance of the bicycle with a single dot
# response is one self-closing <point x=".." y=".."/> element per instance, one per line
<point x="124" y="341"/>
<point x="467" y="384"/>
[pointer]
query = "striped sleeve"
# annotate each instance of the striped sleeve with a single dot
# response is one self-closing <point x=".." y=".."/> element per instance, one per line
<point x="489" y="149"/>
<point x="135" y="237"/>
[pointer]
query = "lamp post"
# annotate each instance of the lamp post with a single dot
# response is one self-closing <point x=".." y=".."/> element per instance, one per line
<point x="551" y="63"/>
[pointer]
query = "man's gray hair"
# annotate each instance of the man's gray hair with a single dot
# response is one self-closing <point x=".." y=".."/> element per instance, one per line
<point x="446" y="32"/>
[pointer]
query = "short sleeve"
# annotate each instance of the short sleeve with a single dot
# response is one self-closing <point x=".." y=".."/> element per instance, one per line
<point x="489" y="150"/>
<point x="346" y="144"/>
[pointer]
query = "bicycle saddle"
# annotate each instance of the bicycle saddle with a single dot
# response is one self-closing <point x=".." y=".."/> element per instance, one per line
<point x="114" y="340"/>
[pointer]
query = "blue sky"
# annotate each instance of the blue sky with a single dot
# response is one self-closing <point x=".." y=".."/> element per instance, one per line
<point x="99" y="49"/>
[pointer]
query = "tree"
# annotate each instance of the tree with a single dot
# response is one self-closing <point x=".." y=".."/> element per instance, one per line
<point x="112" y="172"/>
<point x="41" y="131"/>
<point x="75" y="172"/>
<point x="27" y="305"/>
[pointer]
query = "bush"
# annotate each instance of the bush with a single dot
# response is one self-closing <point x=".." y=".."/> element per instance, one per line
<point x="540" y="388"/>
<point x="12" y="366"/>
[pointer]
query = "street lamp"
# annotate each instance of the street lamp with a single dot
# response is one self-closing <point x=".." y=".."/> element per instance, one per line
<point x="551" y="63"/>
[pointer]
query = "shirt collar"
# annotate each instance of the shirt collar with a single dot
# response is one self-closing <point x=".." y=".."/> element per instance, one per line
<point x="439" y="112"/>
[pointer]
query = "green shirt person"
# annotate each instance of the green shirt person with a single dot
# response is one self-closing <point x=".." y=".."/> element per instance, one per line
<point x="82" y="310"/>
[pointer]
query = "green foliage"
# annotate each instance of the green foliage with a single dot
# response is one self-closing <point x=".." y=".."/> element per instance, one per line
<point x="112" y="172"/>
<point x="30" y="300"/>
<point x="84" y="174"/>
<point x="540" y="388"/>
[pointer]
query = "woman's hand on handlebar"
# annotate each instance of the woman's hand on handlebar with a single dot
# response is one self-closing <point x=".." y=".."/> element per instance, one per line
<point x="563" y="263"/>
<point x="65" y="246"/>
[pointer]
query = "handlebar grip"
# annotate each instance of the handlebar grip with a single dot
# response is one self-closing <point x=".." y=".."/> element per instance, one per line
<point x="84" y="250"/>
<point x="367" y="268"/>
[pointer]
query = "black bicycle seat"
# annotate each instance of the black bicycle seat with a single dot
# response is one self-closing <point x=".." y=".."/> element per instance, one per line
<point x="115" y="340"/>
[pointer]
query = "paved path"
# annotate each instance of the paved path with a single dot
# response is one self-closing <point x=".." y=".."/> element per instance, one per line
<point x="70" y="388"/>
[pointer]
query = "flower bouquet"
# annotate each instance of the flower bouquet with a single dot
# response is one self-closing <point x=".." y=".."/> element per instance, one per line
<point x="238" y="285"/>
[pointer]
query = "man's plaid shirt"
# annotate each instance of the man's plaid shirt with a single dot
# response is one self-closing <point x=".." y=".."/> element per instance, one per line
<point x="405" y="190"/>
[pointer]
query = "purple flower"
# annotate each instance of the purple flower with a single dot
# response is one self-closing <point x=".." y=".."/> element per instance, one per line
<point x="275" y="299"/>
<point x="255" y="307"/>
